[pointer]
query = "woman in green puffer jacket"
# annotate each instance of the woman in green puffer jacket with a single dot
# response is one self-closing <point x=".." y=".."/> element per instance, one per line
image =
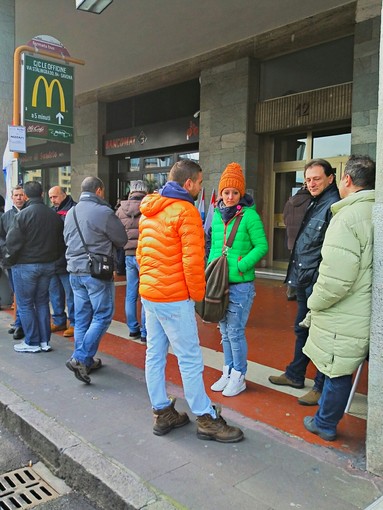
<point x="249" y="246"/>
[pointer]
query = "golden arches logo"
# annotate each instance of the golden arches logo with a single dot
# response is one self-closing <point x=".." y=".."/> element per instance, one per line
<point x="48" y="92"/>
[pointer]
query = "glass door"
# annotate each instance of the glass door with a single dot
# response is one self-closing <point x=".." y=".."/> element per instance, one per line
<point x="153" y="169"/>
<point x="48" y="177"/>
<point x="291" y="153"/>
<point x="288" y="178"/>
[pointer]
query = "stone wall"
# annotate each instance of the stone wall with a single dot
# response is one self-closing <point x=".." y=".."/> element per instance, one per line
<point x="86" y="157"/>
<point x="226" y="121"/>
<point x="374" y="443"/>
<point x="366" y="78"/>
<point x="7" y="46"/>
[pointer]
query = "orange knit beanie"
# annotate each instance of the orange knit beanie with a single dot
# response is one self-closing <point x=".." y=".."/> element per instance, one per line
<point x="232" y="177"/>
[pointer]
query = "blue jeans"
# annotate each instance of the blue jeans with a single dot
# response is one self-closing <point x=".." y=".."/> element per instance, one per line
<point x="296" y="370"/>
<point x="31" y="283"/>
<point x="17" y="323"/>
<point x="59" y="292"/>
<point x="132" y="272"/>
<point x="332" y="402"/>
<point x="94" y="309"/>
<point x="175" y="324"/>
<point x="232" y="326"/>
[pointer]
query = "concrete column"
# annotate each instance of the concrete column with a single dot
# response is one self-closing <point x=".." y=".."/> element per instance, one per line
<point x="366" y="77"/>
<point x="7" y="47"/>
<point x="86" y="153"/>
<point x="374" y="444"/>
<point x="227" y="121"/>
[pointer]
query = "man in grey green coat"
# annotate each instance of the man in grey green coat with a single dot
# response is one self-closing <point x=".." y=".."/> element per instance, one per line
<point x="340" y="303"/>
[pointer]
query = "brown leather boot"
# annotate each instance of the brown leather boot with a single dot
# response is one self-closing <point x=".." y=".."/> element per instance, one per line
<point x="168" y="418"/>
<point x="217" y="429"/>
<point x="283" y="380"/>
<point x="310" y="399"/>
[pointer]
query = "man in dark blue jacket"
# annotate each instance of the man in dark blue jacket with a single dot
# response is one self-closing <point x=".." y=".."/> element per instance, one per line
<point x="32" y="254"/>
<point x="60" y="290"/>
<point x="303" y="269"/>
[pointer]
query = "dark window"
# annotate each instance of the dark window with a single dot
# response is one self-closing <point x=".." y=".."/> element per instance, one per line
<point x="158" y="106"/>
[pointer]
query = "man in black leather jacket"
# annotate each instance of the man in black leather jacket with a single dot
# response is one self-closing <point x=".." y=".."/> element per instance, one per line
<point x="303" y="268"/>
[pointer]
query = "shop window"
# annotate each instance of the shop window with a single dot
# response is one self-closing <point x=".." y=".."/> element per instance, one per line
<point x="191" y="156"/>
<point x="158" y="161"/>
<point x="290" y="148"/>
<point x="331" y="146"/>
<point x="156" y="180"/>
<point x="49" y="177"/>
<point x="134" y="164"/>
<point x="312" y="68"/>
<point x="32" y="175"/>
<point x="154" y="170"/>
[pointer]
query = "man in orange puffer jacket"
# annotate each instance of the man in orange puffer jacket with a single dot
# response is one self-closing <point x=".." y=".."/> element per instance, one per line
<point x="171" y="257"/>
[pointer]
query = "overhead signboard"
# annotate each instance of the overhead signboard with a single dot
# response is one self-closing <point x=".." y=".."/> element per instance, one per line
<point x="47" y="110"/>
<point x="183" y="131"/>
<point x="45" y="154"/>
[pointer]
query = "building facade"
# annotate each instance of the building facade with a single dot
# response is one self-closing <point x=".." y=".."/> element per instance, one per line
<point x="269" y="87"/>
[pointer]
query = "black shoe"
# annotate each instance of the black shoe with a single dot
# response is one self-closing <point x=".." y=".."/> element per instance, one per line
<point x="11" y="330"/>
<point x="18" y="334"/>
<point x="135" y="335"/>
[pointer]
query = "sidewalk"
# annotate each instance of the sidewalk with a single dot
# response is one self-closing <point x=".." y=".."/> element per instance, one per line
<point x="99" y="438"/>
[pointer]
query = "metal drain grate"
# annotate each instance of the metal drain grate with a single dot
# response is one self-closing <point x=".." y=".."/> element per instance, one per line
<point x="24" y="488"/>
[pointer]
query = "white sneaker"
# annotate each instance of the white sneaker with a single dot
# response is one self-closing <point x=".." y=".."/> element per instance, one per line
<point x="45" y="347"/>
<point x="223" y="381"/>
<point x="23" y="347"/>
<point x="236" y="384"/>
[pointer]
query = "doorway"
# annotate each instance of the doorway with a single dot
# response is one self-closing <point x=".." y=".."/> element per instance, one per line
<point x="48" y="177"/>
<point x="291" y="153"/>
<point x="153" y="169"/>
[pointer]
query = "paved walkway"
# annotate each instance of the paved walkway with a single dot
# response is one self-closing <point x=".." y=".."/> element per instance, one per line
<point x="99" y="439"/>
<point x="271" y="342"/>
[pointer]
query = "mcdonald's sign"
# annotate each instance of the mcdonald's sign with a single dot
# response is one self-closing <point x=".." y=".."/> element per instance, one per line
<point x="47" y="102"/>
<point x="48" y="92"/>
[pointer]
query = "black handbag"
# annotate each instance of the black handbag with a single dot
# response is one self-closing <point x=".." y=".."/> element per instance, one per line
<point x="213" y="306"/>
<point x="101" y="266"/>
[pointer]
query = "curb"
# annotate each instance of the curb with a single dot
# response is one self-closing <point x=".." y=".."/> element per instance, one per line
<point x="81" y="465"/>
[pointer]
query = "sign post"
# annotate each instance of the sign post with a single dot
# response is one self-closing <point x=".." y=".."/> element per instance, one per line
<point x="47" y="109"/>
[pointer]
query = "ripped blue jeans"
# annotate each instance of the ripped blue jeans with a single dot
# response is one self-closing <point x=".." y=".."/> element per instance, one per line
<point x="232" y="326"/>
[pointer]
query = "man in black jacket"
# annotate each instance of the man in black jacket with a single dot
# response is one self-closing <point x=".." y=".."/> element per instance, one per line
<point x="303" y="268"/>
<point x="33" y="244"/>
<point x="60" y="290"/>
